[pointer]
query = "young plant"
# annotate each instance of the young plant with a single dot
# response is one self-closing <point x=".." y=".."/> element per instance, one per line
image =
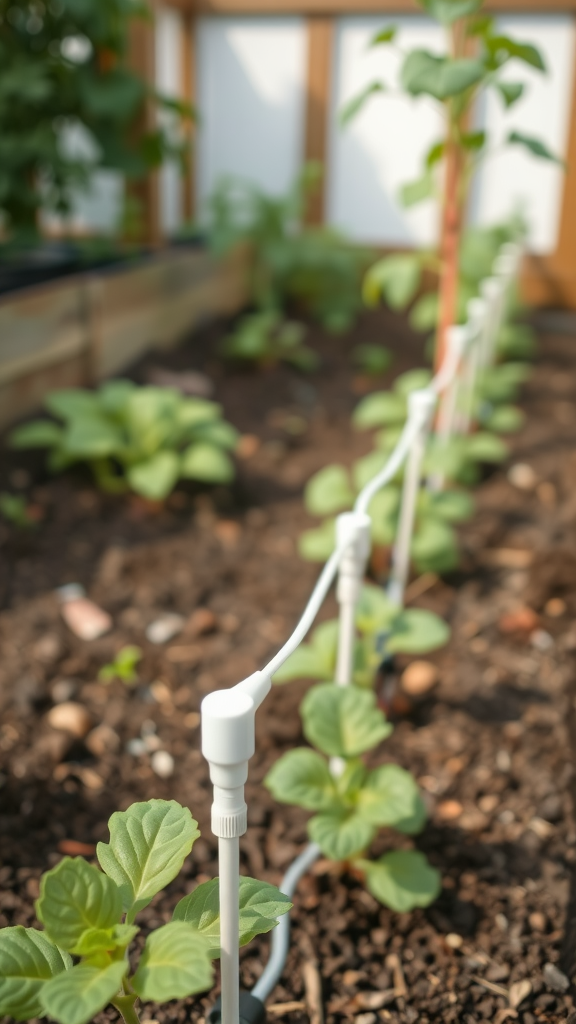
<point x="88" y="914"/>
<point x="349" y="807"/>
<point x="124" y="666"/>
<point x="382" y="629"/>
<point x="14" y="508"/>
<point x="140" y="438"/>
<point x="477" y="55"/>
<point x="372" y="359"/>
<point x="265" y="338"/>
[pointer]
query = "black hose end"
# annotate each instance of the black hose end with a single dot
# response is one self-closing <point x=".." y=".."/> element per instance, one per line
<point x="252" y="1010"/>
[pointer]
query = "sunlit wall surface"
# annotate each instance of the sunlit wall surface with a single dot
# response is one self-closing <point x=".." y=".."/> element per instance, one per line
<point x="168" y="58"/>
<point x="251" y="83"/>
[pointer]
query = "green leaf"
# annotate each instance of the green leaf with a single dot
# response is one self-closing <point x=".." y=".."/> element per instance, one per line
<point x="450" y="506"/>
<point x="317" y="545"/>
<point x="374" y="610"/>
<point x="315" y="660"/>
<point x="260" y="906"/>
<point x="217" y="432"/>
<point x="505" y="419"/>
<point x="534" y="146"/>
<point x="175" y="963"/>
<point x="416" y="191"/>
<point x="473" y="140"/>
<point x="75" y="897"/>
<point x="402" y="880"/>
<point x="366" y="468"/>
<point x="371" y="358"/>
<point x="72" y="402"/>
<point x="343" y="721"/>
<point x="302" y="777"/>
<point x="354" y="106"/>
<point x="502" y="48"/>
<point x="502" y="383"/>
<point x="38" y="434"/>
<point x="76" y="996"/>
<point x="395" y="278"/>
<point x="27" y="961"/>
<point x="379" y="409"/>
<point x="389" y="796"/>
<point x="440" y="77"/>
<point x="485" y="447"/>
<point x="434" y="547"/>
<point x="516" y="341"/>
<point x="383" y="511"/>
<point x="341" y="835"/>
<point x="113" y="395"/>
<point x="435" y="153"/>
<point x="91" y="436"/>
<point x="424" y="312"/>
<point x="154" y="478"/>
<point x="449" y="11"/>
<point x="385" y="35"/>
<point x="197" y="412"/>
<point x="148" y="845"/>
<point x="412" y="380"/>
<point x="416" y="631"/>
<point x="510" y="92"/>
<point x="208" y="463"/>
<point x="328" y="491"/>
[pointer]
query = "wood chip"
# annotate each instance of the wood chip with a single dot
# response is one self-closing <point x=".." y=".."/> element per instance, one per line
<point x="279" y="1009"/>
<point x="449" y="810"/>
<point x="419" y="586"/>
<point x="498" y="990"/>
<point x="507" y="558"/>
<point x="313" y="991"/>
<point x="189" y="653"/>
<point x="393" y="964"/>
<point x="419" y="677"/>
<point x="374" y="1000"/>
<point x="518" y="992"/>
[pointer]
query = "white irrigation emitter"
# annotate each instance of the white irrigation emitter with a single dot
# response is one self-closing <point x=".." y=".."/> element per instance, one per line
<point x="228" y="716"/>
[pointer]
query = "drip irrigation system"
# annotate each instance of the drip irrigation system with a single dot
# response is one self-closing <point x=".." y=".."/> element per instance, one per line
<point x="228" y="716"/>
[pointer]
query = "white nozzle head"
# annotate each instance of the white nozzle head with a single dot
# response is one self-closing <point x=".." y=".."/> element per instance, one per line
<point x="227" y="718"/>
<point x="476" y="308"/>
<point x="421" y="404"/>
<point x="353" y="528"/>
<point x="490" y="288"/>
<point x="457" y="339"/>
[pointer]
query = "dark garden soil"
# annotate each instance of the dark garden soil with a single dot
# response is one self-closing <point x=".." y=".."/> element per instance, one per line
<point x="491" y="745"/>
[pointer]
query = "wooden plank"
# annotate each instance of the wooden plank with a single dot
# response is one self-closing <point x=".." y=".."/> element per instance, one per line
<point x="146" y="192"/>
<point x="343" y="7"/>
<point x="318" y="85"/>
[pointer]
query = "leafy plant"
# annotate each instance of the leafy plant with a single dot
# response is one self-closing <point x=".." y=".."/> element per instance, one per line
<point x="312" y="268"/>
<point x="65" y="74"/>
<point x="372" y="359"/>
<point x="138" y="438"/>
<point x="14" y="508"/>
<point x="350" y="806"/>
<point x="266" y="338"/>
<point x="477" y="55"/>
<point x="382" y="629"/>
<point x="89" y="914"/>
<point x="124" y="666"/>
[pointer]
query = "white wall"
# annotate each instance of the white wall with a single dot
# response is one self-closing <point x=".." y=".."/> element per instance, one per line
<point x="514" y="177"/>
<point x="168" y="60"/>
<point x="251" y="98"/>
<point x="382" y="148"/>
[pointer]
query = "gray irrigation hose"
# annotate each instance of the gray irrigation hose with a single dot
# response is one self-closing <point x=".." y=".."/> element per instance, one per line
<point x="280" y="943"/>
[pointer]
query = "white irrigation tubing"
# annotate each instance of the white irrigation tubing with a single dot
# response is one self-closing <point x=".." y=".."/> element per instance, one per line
<point x="228" y="715"/>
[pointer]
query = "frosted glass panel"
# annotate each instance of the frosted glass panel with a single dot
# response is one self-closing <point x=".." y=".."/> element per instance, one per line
<point x="383" y="147"/>
<point x="168" y="56"/>
<point x="514" y="177"/>
<point x="251" y="97"/>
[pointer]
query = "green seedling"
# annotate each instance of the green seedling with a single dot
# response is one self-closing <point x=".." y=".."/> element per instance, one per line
<point x="82" y="961"/>
<point x="267" y="339"/>
<point x="372" y="359"/>
<point x="135" y="438"/>
<point x="14" y="508"/>
<point x="382" y="628"/>
<point x="349" y="807"/>
<point x="124" y="666"/>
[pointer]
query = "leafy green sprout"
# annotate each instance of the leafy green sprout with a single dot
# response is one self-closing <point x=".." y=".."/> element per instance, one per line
<point x="267" y="339"/>
<point x="349" y="807"/>
<point x="135" y="438"/>
<point x="80" y="962"/>
<point x="382" y="628"/>
<point x="124" y="666"/>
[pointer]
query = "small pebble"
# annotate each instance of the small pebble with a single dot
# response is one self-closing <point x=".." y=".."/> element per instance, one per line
<point x="503" y="761"/>
<point x="162" y="764"/>
<point x="247" y="446"/>
<point x="48" y="648"/>
<point x="555" y="979"/>
<point x="161" y="693"/>
<point x="84" y="618"/>
<point x="62" y="690"/>
<point x="366" y="1018"/>
<point x="448" y="810"/>
<point x="541" y="640"/>
<point x="419" y="677"/>
<point x="192" y="720"/>
<point x="501" y="922"/>
<point x="523" y="620"/>
<point x="522" y="475"/>
<point x="136" y="747"/>
<point x="453" y="940"/>
<point x="164" y="628"/>
<point x="518" y="992"/>
<point x="202" y="621"/>
<point x="102" y="740"/>
<point x="537" y="921"/>
<point x="70" y="717"/>
<point x="555" y="607"/>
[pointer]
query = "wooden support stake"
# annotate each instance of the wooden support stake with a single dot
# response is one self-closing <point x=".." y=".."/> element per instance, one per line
<point x="320" y="36"/>
<point x="142" y="61"/>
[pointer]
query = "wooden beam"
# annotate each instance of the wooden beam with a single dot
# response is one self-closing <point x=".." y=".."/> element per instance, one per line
<point x="188" y="92"/>
<point x="343" y="7"/>
<point x="318" y="83"/>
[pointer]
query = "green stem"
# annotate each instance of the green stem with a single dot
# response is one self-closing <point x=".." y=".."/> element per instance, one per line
<point x="125" y="1007"/>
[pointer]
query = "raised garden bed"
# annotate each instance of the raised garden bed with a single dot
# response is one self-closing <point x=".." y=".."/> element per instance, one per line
<point x="489" y="744"/>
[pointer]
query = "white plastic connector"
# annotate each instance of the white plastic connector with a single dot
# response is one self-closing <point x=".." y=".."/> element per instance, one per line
<point x="228" y="744"/>
<point x="353" y="534"/>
